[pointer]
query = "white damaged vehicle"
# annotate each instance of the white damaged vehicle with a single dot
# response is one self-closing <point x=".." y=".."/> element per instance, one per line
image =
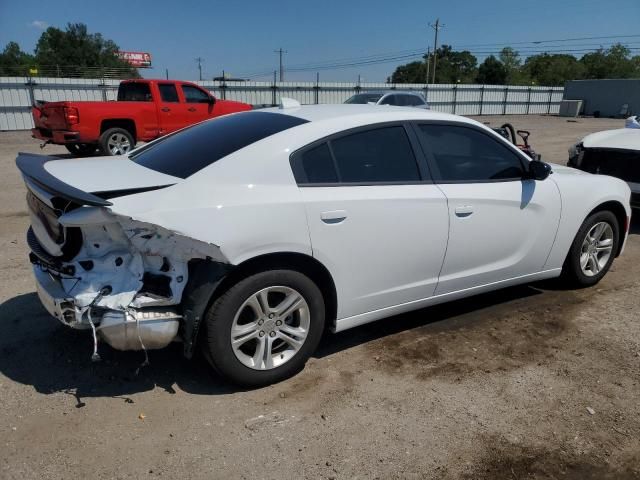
<point x="611" y="152"/>
<point x="251" y="234"/>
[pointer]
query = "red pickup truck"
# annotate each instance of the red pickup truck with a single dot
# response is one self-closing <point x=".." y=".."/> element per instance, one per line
<point x="145" y="109"/>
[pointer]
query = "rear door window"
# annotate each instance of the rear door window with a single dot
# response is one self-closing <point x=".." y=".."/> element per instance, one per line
<point x="376" y="156"/>
<point x="168" y="92"/>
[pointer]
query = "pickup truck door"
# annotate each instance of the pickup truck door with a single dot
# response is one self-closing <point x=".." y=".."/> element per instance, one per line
<point x="198" y="102"/>
<point x="171" y="112"/>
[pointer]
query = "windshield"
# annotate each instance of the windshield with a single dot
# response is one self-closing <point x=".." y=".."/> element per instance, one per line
<point x="365" y="98"/>
<point x="190" y="150"/>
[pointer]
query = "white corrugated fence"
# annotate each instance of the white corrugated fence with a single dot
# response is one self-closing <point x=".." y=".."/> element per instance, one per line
<point x="18" y="93"/>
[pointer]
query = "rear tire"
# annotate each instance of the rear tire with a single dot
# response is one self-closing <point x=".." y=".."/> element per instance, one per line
<point x="81" y="149"/>
<point x="116" y="141"/>
<point x="592" y="251"/>
<point x="265" y="327"/>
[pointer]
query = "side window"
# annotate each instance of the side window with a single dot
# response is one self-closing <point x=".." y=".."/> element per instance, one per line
<point x="317" y="165"/>
<point x="194" y="95"/>
<point x="390" y="100"/>
<point x="414" y="101"/>
<point x="168" y="92"/>
<point x="381" y="155"/>
<point x="463" y="154"/>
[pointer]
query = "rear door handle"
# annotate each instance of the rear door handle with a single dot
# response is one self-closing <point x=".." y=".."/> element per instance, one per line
<point x="192" y="109"/>
<point x="165" y="109"/>
<point x="464" y="211"/>
<point x="334" y="216"/>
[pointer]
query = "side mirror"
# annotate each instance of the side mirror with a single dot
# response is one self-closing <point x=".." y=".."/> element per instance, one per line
<point x="539" y="170"/>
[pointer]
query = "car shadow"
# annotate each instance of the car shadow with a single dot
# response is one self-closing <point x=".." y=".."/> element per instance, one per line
<point x="634" y="227"/>
<point x="37" y="350"/>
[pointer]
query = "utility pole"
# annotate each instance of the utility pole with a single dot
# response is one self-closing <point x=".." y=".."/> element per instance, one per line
<point x="437" y="28"/>
<point x="199" y="60"/>
<point x="280" y="52"/>
<point x="428" y="61"/>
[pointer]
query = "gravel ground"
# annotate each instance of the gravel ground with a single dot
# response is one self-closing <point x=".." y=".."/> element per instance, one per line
<point x="529" y="382"/>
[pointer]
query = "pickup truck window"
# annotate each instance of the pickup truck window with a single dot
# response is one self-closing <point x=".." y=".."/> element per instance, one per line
<point x="190" y="150"/>
<point x="168" y="92"/>
<point x="134" y="92"/>
<point x="194" y="95"/>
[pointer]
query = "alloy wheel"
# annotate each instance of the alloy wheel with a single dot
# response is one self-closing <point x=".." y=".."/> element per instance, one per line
<point x="597" y="248"/>
<point x="118" y="144"/>
<point x="270" y="327"/>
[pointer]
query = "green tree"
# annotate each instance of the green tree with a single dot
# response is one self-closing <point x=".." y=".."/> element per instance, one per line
<point x="15" y="62"/>
<point x="414" y="72"/>
<point x="553" y="69"/>
<point x="492" y="72"/>
<point x="451" y="67"/>
<point x="77" y="52"/>
<point x="615" y="62"/>
<point x="510" y="58"/>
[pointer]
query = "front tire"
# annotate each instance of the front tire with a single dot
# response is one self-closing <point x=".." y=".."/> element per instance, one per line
<point x="116" y="141"/>
<point x="593" y="250"/>
<point x="265" y="327"/>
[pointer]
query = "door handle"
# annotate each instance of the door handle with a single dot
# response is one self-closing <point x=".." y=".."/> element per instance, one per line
<point x="464" y="211"/>
<point x="192" y="109"/>
<point x="333" y="217"/>
<point x="165" y="109"/>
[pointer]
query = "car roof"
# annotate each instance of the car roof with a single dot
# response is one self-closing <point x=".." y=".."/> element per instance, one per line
<point x="365" y="114"/>
<point x="389" y="92"/>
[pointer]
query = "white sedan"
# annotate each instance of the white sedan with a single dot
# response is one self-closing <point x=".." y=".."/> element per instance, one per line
<point x="251" y="234"/>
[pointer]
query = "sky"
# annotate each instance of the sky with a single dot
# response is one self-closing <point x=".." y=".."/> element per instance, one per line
<point x="240" y="37"/>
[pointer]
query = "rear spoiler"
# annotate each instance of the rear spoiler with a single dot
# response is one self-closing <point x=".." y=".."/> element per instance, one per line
<point x="32" y="167"/>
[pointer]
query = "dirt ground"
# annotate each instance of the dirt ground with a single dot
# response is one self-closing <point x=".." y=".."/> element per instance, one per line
<point x="529" y="382"/>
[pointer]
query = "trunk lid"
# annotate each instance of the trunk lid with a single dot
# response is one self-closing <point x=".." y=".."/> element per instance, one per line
<point x="56" y="186"/>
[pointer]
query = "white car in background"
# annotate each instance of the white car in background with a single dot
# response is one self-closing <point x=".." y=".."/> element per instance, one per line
<point x="252" y="233"/>
<point x="396" y="98"/>
<point x="611" y="152"/>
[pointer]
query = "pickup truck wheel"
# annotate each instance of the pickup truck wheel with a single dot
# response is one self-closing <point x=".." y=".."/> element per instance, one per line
<point x="265" y="327"/>
<point x="81" y="149"/>
<point x="116" y="141"/>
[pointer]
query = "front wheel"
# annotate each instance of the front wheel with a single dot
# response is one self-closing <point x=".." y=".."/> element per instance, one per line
<point x="265" y="327"/>
<point x="593" y="250"/>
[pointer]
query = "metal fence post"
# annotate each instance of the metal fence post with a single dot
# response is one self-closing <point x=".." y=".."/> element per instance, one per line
<point x="273" y="96"/>
<point x="455" y="98"/>
<point x="30" y="83"/>
<point x="504" y="101"/>
<point x="317" y="88"/>
<point x="549" y="104"/>
<point x="481" y="99"/>
<point x="223" y="89"/>
<point x="528" y="100"/>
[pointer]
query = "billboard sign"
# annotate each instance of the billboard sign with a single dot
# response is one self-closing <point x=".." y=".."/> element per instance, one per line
<point x="136" y="59"/>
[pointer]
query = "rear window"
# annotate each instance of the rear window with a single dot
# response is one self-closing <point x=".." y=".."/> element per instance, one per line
<point x="186" y="152"/>
<point x="134" y="92"/>
<point x="364" y="98"/>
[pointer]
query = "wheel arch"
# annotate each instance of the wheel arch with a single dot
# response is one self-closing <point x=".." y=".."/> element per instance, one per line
<point x="125" y="123"/>
<point x="620" y="213"/>
<point x="209" y="280"/>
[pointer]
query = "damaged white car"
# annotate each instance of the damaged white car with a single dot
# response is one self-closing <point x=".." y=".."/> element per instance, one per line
<point x="251" y="234"/>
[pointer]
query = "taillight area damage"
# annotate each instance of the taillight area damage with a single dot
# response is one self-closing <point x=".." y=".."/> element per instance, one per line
<point x="126" y="282"/>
